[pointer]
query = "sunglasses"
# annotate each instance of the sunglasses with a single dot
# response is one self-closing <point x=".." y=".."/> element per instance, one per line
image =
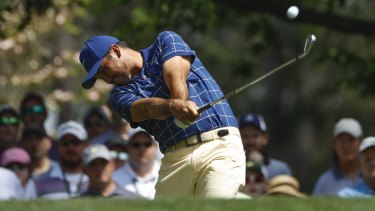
<point x="71" y="142"/>
<point x="16" y="167"/>
<point x="9" y="121"/>
<point x="119" y="155"/>
<point x="137" y="145"/>
<point x="36" y="109"/>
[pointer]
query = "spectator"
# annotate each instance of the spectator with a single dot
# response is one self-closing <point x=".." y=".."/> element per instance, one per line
<point x="10" y="185"/>
<point x="37" y="143"/>
<point x="34" y="113"/>
<point x="140" y="173"/>
<point x="346" y="170"/>
<point x="255" y="138"/>
<point x="256" y="184"/>
<point x="285" y="185"/>
<point x="98" y="126"/>
<point x="17" y="160"/>
<point x="69" y="181"/>
<point x="364" y="187"/>
<point x="33" y="110"/>
<point x="9" y="127"/>
<point x="119" y="151"/>
<point x="99" y="167"/>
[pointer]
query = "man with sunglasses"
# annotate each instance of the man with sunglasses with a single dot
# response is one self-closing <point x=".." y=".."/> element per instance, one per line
<point x="9" y="127"/>
<point x="69" y="181"/>
<point x="34" y="113"/>
<point x="140" y="173"/>
<point x="159" y="85"/>
<point x="33" y="110"/>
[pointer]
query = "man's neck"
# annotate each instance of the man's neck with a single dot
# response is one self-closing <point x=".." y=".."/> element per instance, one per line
<point x="350" y="168"/>
<point x="142" y="171"/>
<point x="41" y="165"/>
<point x="72" y="169"/>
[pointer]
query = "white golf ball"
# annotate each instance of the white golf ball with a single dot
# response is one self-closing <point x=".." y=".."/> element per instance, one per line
<point x="292" y="12"/>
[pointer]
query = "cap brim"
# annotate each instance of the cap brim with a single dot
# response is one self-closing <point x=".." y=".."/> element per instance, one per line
<point x="90" y="78"/>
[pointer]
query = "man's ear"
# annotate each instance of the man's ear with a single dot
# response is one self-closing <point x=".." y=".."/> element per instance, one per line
<point x="116" y="50"/>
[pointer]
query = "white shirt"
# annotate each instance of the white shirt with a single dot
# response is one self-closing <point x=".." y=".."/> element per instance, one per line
<point x="10" y="185"/>
<point x="142" y="186"/>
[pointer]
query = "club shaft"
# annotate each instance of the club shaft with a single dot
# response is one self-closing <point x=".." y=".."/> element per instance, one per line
<point x="230" y="94"/>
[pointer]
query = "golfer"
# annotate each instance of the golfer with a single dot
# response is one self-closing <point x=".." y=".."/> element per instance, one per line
<point x="163" y="84"/>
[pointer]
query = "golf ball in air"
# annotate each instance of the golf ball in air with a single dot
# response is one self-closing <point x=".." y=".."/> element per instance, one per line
<point x="292" y="12"/>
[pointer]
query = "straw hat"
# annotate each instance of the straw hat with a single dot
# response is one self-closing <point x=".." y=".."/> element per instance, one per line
<point x="284" y="185"/>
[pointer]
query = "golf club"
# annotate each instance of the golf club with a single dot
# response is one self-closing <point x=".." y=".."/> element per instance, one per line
<point x="308" y="45"/>
<point x="310" y="40"/>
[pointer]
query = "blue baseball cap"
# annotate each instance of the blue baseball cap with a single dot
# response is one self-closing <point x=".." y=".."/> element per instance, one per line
<point x="92" y="54"/>
<point x="253" y="119"/>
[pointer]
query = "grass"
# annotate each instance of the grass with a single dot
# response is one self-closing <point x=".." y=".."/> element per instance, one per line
<point x="257" y="204"/>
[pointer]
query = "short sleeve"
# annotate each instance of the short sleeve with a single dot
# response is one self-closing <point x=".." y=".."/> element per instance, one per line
<point x="171" y="44"/>
<point x="122" y="99"/>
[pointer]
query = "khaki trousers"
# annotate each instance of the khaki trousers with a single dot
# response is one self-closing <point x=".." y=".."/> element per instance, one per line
<point x="213" y="169"/>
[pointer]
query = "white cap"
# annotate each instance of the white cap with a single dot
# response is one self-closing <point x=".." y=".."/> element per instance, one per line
<point x="73" y="128"/>
<point x="348" y="125"/>
<point x="95" y="151"/>
<point x="134" y="131"/>
<point x="367" y="143"/>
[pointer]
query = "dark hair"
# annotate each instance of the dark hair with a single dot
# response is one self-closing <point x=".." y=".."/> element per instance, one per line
<point x="122" y="44"/>
<point x="32" y="96"/>
<point x="95" y="111"/>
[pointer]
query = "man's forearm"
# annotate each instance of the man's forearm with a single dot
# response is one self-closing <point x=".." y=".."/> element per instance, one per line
<point x="150" y="108"/>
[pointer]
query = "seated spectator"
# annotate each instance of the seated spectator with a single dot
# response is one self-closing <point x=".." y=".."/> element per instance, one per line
<point x="99" y="167"/>
<point x="256" y="184"/>
<point x="34" y="113"/>
<point x="69" y="180"/>
<point x="10" y="185"/>
<point x="17" y="160"/>
<point x="9" y="127"/>
<point x="346" y="170"/>
<point x="365" y="187"/>
<point x="37" y="143"/>
<point x="140" y="173"/>
<point x="119" y="151"/>
<point x="285" y="185"/>
<point x="255" y="138"/>
<point x="98" y="126"/>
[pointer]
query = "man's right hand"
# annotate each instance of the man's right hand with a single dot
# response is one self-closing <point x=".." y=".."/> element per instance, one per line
<point x="185" y="111"/>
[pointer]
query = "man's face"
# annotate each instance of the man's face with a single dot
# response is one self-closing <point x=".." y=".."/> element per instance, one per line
<point x="114" y="69"/>
<point x="142" y="149"/>
<point x="100" y="171"/>
<point x="95" y="126"/>
<point x="37" y="146"/>
<point x="368" y="163"/>
<point x="34" y="113"/>
<point x="9" y="126"/>
<point x="70" y="149"/>
<point x="346" y="147"/>
<point x="253" y="138"/>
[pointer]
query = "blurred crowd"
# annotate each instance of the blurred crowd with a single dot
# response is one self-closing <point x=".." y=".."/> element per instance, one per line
<point x="100" y="155"/>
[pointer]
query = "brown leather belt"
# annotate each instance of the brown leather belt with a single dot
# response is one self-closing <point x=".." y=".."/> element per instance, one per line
<point x="204" y="137"/>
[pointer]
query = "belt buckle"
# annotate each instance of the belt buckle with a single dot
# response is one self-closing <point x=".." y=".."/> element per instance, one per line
<point x="199" y="140"/>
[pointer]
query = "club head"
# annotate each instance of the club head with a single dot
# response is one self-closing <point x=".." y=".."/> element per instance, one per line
<point x="310" y="40"/>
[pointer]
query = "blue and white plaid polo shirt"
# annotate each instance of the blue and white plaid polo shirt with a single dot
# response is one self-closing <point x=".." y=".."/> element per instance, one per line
<point x="150" y="83"/>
